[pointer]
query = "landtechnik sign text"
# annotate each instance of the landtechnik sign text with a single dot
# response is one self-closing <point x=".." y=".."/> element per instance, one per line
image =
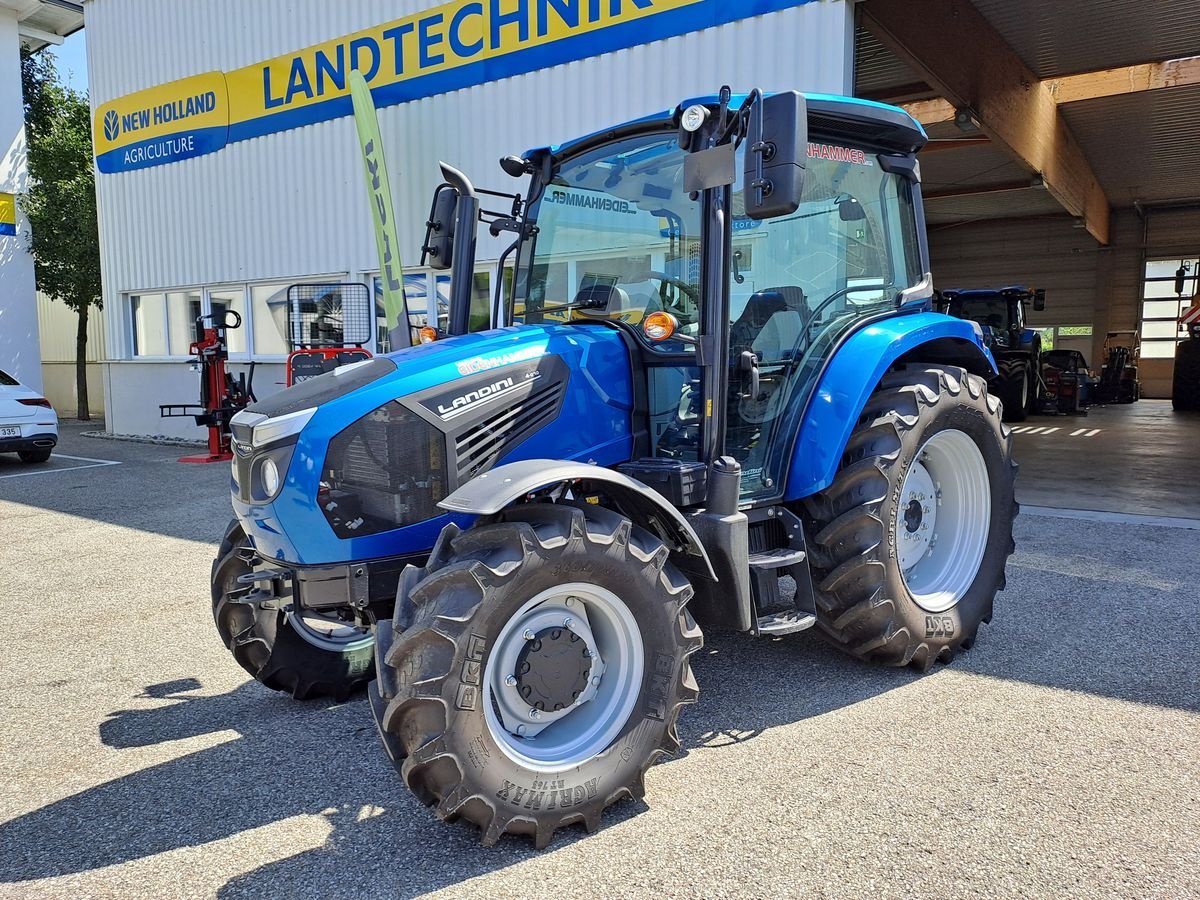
<point x="448" y="47"/>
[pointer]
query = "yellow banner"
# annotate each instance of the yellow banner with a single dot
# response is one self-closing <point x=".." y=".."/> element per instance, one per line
<point x="445" y="37"/>
<point x="162" y="124"/>
<point x="8" y="214"/>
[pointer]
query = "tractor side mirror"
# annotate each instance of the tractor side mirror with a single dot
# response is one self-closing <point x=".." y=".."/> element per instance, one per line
<point x="438" y="250"/>
<point x="1039" y="299"/>
<point x="776" y="155"/>
<point x="1180" y="281"/>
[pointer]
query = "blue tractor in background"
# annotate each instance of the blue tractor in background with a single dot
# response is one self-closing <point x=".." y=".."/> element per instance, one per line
<point x="714" y="366"/>
<point x="1016" y="348"/>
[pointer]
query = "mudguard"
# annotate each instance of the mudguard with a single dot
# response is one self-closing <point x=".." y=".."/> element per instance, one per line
<point x="852" y="374"/>
<point x="492" y="491"/>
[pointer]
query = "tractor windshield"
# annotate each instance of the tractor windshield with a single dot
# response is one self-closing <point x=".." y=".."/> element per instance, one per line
<point x="991" y="311"/>
<point x="618" y="238"/>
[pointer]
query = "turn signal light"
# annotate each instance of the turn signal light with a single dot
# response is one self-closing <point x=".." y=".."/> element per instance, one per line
<point x="659" y="326"/>
<point x="40" y="401"/>
<point x="428" y="334"/>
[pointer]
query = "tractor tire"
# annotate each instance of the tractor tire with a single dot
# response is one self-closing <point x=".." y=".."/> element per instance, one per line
<point x="891" y="588"/>
<point x="1013" y="387"/>
<point x="281" y="650"/>
<point x="495" y="638"/>
<point x="1185" y="386"/>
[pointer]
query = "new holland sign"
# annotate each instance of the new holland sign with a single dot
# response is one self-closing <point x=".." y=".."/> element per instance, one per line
<point x="448" y="47"/>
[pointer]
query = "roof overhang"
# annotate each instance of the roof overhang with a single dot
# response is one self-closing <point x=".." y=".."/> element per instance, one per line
<point x="43" y="22"/>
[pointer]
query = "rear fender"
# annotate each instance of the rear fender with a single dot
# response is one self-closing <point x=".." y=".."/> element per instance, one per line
<point x="852" y="374"/>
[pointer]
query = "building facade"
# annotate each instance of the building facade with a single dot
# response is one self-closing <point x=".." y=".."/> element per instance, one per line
<point x="229" y="170"/>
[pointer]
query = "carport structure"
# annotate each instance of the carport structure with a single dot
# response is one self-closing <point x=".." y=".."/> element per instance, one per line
<point x="1064" y="153"/>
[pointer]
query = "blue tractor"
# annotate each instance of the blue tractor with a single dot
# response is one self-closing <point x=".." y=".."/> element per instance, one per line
<point x="1016" y="348"/>
<point x="711" y="394"/>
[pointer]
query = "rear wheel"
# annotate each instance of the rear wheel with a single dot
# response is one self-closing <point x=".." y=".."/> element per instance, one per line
<point x="40" y="455"/>
<point x="542" y="673"/>
<point x="1014" y="387"/>
<point x="1185" y="388"/>
<point x="301" y="653"/>
<point x="912" y="538"/>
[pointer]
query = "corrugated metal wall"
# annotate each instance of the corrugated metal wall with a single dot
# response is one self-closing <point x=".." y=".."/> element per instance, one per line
<point x="58" y="323"/>
<point x="293" y="203"/>
<point x="1046" y="253"/>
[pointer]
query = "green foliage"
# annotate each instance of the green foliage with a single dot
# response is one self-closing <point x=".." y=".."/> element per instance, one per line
<point x="61" y="200"/>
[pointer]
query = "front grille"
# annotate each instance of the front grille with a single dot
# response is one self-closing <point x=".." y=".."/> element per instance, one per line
<point x="385" y="471"/>
<point x="479" y="447"/>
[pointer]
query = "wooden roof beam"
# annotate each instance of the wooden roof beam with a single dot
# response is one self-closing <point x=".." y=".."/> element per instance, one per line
<point x="1013" y="108"/>
<point x="1125" y="80"/>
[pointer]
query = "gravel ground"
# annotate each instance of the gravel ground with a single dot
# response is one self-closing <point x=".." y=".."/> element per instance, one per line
<point x="1058" y="757"/>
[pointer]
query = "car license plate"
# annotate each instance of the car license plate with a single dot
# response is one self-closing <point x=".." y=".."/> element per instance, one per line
<point x="9" y="431"/>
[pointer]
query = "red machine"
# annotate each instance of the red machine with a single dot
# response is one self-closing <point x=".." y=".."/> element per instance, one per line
<point x="221" y="395"/>
<point x="327" y="325"/>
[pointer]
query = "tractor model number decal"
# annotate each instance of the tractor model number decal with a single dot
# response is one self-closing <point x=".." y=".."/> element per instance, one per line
<point x="483" y="363"/>
<point x="939" y="626"/>
<point x="554" y="793"/>
<point x="472" y="670"/>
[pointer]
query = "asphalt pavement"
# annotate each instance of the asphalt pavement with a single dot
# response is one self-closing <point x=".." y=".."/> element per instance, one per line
<point x="1059" y="757"/>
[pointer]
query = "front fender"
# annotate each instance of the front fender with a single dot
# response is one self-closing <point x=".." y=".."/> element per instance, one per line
<point x="489" y="493"/>
<point x="850" y="377"/>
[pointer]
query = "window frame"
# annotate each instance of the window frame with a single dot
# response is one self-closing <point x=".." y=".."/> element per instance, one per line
<point x="1181" y="304"/>
<point x="206" y="291"/>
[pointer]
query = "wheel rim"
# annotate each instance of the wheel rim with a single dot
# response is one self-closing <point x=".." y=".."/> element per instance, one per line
<point x="943" y="519"/>
<point x="328" y="631"/>
<point x="559" y="620"/>
<point x="1024" y="392"/>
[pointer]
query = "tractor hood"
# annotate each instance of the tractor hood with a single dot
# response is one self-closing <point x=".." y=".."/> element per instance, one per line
<point x="383" y="441"/>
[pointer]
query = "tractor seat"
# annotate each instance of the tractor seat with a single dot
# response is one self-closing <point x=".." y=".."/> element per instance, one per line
<point x="771" y="323"/>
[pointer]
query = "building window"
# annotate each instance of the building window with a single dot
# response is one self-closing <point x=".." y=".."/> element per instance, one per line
<point x="163" y="324"/>
<point x="1162" y="307"/>
<point x="183" y="309"/>
<point x="269" y="310"/>
<point x="148" y="324"/>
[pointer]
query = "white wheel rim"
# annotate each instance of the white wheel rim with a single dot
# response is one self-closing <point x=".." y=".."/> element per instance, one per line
<point x="943" y="519"/>
<point x="1024" y="392"/>
<point x="328" y="632"/>
<point x="556" y="741"/>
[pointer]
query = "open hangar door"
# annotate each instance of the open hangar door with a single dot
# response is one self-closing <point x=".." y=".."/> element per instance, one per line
<point x="1074" y="167"/>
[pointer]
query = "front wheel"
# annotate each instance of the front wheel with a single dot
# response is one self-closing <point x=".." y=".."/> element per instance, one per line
<point x="301" y="653"/>
<point x="543" y="670"/>
<point x="912" y="537"/>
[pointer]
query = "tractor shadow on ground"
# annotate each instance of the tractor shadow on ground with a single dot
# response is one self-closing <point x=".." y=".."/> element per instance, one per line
<point x="284" y="759"/>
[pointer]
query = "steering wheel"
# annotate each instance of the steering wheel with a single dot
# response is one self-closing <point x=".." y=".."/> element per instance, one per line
<point x="682" y="286"/>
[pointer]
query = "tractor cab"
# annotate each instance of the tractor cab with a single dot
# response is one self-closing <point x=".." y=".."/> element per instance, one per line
<point x="733" y="243"/>
<point x="1001" y="313"/>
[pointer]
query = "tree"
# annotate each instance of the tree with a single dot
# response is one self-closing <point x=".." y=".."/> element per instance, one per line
<point x="61" y="200"/>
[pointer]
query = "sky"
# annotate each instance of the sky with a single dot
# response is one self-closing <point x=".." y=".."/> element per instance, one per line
<point x="71" y="60"/>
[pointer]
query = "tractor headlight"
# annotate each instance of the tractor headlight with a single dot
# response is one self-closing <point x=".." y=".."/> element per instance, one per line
<point x="268" y="431"/>
<point x="269" y="472"/>
<point x="262" y="451"/>
<point x="693" y="117"/>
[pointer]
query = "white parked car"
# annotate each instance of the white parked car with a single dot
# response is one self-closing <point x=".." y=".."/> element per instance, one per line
<point x="28" y="423"/>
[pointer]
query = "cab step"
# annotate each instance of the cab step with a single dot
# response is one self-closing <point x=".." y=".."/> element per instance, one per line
<point x="786" y="622"/>
<point x="779" y="558"/>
